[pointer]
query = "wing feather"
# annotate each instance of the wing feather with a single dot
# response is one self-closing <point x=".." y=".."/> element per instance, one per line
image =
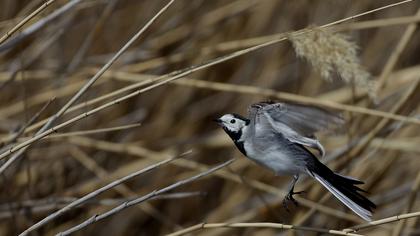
<point x="298" y="123"/>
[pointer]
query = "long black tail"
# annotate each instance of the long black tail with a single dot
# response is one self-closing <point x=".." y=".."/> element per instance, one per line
<point x="344" y="188"/>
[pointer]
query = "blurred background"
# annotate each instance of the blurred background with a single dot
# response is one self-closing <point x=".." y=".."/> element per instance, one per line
<point x="46" y="66"/>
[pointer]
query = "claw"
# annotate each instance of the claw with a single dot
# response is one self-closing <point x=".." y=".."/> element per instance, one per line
<point x="289" y="197"/>
<point x="299" y="192"/>
<point x="285" y="205"/>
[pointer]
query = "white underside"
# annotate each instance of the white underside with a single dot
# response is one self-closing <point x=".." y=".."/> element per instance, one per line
<point x="279" y="162"/>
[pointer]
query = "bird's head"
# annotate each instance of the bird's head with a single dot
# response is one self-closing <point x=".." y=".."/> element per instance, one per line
<point x="232" y="123"/>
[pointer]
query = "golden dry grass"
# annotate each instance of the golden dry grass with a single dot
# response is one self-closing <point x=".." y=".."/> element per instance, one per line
<point x="194" y="62"/>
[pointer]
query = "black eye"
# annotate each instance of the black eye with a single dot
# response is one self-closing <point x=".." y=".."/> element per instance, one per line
<point x="233" y="121"/>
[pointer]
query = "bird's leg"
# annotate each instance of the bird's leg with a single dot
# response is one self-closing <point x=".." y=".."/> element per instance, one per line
<point x="289" y="196"/>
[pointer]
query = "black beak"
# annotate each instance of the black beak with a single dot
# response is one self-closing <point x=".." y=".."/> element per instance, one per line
<point x="218" y="121"/>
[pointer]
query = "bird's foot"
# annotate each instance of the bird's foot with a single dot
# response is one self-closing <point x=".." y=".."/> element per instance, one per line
<point x="289" y="197"/>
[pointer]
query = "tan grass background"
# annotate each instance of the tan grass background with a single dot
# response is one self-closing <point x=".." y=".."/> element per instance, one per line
<point x="378" y="95"/>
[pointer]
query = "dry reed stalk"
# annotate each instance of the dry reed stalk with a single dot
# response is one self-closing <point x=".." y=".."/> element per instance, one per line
<point x="410" y="93"/>
<point x="146" y="79"/>
<point x="178" y="74"/>
<point x="22" y="129"/>
<point x="90" y="164"/>
<point x="78" y="56"/>
<point x="393" y="59"/>
<point x="144" y="198"/>
<point x="93" y="194"/>
<point x="258" y="225"/>
<point x="25" y="20"/>
<point x="44" y="130"/>
<point x="16" y="108"/>
<point x="36" y="26"/>
<point x="382" y="221"/>
<point x="136" y="150"/>
<point x="410" y="203"/>
<point x="177" y="117"/>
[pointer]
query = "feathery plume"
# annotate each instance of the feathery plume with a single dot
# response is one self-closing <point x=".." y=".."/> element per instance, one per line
<point x="332" y="52"/>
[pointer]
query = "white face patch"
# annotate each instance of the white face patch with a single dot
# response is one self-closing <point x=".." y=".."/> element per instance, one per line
<point x="232" y="123"/>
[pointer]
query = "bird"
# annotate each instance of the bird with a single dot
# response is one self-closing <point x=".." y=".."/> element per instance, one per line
<point x="279" y="136"/>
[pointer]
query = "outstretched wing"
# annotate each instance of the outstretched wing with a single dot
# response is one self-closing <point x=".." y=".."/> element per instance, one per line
<point x="298" y="123"/>
<point x="306" y="120"/>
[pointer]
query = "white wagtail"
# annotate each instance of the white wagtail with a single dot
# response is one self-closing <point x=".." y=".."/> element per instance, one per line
<point x="277" y="135"/>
